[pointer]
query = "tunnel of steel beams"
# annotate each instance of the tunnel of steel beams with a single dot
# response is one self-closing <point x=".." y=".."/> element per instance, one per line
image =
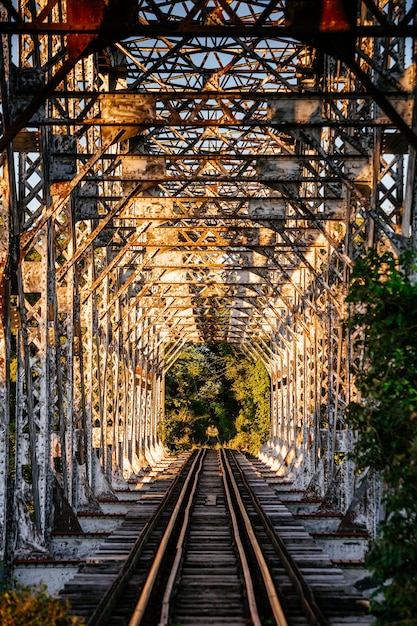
<point x="183" y="172"/>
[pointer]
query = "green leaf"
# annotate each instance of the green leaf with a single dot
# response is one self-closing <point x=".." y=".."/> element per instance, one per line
<point x="383" y="310"/>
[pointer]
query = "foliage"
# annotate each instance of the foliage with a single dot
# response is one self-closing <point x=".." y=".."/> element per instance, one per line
<point x="197" y="396"/>
<point x="177" y="430"/>
<point x="384" y="299"/>
<point x="251" y="387"/>
<point x="25" y="606"/>
<point x="216" y="386"/>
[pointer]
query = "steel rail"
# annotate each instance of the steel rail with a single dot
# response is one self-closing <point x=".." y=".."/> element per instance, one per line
<point x="164" y="619"/>
<point x="264" y="569"/>
<point x="108" y="602"/>
<point x="305" y="593"/>
<point x="145" y="595"/>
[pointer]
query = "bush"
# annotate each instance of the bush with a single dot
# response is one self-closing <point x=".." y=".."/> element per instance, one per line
<point x="26" y="606"/>
<point x="384" y="299"/>
<point x="177" y="429"/>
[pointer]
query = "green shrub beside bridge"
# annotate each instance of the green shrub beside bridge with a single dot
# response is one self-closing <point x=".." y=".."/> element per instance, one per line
<point x="383" y="324"/>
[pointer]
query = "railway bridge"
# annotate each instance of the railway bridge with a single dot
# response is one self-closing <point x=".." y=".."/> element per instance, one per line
<point x="189" y="172"/>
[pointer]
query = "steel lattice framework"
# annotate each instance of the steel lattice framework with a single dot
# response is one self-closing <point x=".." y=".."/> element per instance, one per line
<point x="181" y="172"/>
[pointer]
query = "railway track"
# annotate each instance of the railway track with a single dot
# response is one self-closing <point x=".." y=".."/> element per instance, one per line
<point x="222" y="550"/>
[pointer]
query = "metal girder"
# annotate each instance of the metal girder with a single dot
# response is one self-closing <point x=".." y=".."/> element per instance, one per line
<point x="181" y="172"/>
<point x="155" y="28"/>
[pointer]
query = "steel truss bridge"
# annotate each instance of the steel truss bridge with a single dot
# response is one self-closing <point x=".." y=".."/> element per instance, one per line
<point x="183" y="172"/>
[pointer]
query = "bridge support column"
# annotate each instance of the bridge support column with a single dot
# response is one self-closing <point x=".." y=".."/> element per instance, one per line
<point x="4" y="366"/>
<point x="309" y="442"/>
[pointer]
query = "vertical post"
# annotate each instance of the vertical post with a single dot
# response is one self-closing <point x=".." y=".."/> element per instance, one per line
<point x="4" y="364"/>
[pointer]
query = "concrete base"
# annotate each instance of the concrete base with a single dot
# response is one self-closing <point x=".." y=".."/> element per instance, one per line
<point x="53" y="574"/>
<point x="319" y="522"/>
<point x="343" y="546"/>
<point x="100" y="522"/>
<point x="76" y="545"/>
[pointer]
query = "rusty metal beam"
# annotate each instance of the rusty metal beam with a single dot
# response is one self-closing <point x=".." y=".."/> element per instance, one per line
<point x="155" y="28"/>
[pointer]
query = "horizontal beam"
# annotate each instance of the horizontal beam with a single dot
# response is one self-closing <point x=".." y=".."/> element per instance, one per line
<point x="223" y="122"/>
<point x="212" y="157"/>
<point x="158" y="29"/>
<point x="264" y="95"/>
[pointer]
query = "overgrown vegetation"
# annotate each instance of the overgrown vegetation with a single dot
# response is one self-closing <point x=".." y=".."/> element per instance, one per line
<point x="251" y="389"/>
<point x="26" y="606"/>
<point x="384" y="299"/>
<point x="216" y="389"/>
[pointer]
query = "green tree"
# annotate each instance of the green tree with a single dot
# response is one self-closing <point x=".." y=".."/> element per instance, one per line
<point x="251" y="388"/>
<point x="177" y="429"/>
<point x="384" y="301"/>
<point x="197" y="393"/>
<point x="216" y="385"/>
